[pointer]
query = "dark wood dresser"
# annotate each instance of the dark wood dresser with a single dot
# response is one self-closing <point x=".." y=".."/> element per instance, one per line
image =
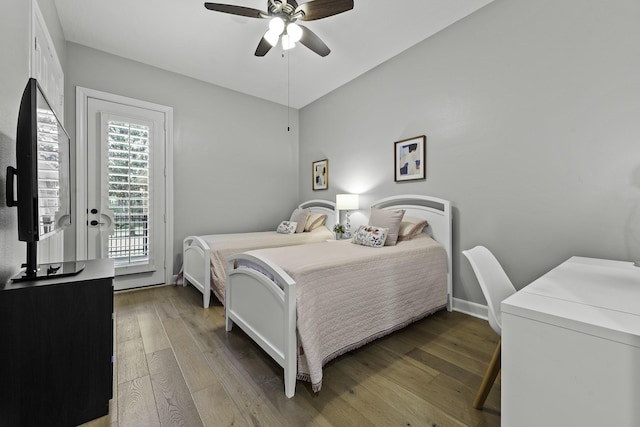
<point x="56" y="348"/>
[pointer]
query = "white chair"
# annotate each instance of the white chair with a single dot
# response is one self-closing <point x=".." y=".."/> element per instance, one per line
<point x="496" y="287"/>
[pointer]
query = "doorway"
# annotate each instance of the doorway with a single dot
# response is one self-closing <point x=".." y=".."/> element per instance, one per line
<point x="124" y="197"/>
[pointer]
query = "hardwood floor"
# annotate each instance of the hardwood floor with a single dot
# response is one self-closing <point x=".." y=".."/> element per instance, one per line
<point x="176" y="366"/>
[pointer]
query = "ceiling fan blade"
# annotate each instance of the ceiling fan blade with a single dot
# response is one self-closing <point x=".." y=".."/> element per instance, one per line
<point x="263" y="47"/>
<point x="236" y="10"/>
<point x="317" y="9"/>
<point x="313" y="42"/>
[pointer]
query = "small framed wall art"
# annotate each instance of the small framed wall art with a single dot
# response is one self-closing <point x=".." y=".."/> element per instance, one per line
<point x="320" y="175"/>
<point x="410" y="159"/>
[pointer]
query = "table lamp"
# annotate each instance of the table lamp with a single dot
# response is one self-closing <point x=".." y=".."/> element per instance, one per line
<point x="347" y="202"/>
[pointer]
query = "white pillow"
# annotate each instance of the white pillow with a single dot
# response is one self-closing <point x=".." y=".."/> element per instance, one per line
<point x="367" y="235"/>
<point x="287" y="227"/>
<point x="299" y="216"/>
<point x="387" y="218"/>
<point x="410" y="227"/>
<point x="314" y="220"/>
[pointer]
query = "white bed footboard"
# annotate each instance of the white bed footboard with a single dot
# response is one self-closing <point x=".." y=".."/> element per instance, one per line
<point x="196" y="266"/>
<point x="265" y="309"/>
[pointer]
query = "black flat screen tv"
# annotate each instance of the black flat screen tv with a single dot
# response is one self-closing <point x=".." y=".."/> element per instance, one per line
<point x="41" y="180"/>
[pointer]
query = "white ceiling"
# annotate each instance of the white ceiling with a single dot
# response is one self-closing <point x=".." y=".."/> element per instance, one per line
<point x="184" y="37"/>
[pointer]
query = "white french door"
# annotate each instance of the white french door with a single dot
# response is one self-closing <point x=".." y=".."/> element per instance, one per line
<point x="125" y="190"/>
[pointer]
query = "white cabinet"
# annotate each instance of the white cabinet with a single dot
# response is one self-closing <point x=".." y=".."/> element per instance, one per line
<point x="571" y="347"/>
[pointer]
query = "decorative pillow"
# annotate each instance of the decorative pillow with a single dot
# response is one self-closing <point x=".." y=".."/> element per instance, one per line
<point x="299" y="216"/>
<point x="367" y="235"/>
<point x="314" y="220"/>
<point x="387" y="218"/>
<point x="410" y="227"/>
<point x="287" y="227"/>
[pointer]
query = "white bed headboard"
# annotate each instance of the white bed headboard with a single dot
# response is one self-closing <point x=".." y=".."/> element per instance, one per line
<point x="437" y="212"/>
<point x="325" y="207"/>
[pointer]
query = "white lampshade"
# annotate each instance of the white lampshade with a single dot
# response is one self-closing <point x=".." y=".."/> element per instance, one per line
<point x="294" y="31"/>
<point x="276" y="25"/>
<point x="347" y="202"/>
<point x="287" y="43"/>
<point x="272" y="37"/>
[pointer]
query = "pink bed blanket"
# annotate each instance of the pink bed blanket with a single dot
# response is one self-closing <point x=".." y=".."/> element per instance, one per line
<point x="349" y="295"/>
<point x="224" y="245"/>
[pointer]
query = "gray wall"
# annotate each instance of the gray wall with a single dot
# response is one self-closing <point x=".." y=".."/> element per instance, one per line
<point x="531" y="111"/>
<point x="14" y="62"/>
<point x="235" y="164"/>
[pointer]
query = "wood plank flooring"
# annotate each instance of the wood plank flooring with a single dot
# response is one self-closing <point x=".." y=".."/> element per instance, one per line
<point x="176" y="366"/>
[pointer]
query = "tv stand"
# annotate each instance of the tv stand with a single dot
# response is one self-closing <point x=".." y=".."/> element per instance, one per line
<point x="33" y="271"/>
<point x="50" y="271"/>
<point x="56" y="348"/>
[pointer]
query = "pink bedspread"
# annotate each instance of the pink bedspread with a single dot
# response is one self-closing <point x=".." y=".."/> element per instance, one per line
<point x="224" y="245"/>
<point x="349" y="295"/>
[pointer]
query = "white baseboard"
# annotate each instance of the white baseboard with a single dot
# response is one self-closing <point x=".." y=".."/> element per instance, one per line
<point x="140" y="288"/>
<point x="471" y="308"/>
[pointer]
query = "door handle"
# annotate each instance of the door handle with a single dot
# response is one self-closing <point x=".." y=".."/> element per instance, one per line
<point x="94" y="222"/>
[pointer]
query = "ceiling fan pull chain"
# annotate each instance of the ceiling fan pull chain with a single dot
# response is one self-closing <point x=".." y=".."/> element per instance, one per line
<point x="288" y="92"/>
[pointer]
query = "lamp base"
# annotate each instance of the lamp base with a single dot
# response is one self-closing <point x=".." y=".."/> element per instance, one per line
<point x="347" y="227"/>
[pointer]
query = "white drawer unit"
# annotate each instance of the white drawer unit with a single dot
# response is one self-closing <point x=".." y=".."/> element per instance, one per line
<point x="571" y="347"/>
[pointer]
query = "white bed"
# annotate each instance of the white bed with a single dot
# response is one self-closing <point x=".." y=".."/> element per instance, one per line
<point x="204" y="257"/>
<point x="308" y="298"/>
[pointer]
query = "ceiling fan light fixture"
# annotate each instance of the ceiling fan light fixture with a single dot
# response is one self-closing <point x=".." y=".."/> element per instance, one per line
<point x="282" y="15"/>
<point x="276" y="25"/>
<point x="294" y="31"/>
<point x="272" y="37"/>
<point x="287" y="42"/>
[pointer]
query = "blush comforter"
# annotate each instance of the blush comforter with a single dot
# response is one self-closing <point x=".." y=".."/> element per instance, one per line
<point x="348" y="295"/>
<point x="224" y="245"/>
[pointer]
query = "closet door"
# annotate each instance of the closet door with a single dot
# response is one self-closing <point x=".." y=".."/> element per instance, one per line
<point x="45" y="64"/>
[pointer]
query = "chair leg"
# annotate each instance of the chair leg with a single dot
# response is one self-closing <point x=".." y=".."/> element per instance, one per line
<point x="489" y="377"/>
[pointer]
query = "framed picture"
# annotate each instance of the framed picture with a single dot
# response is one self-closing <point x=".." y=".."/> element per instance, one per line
<point x="320" y="175"/>
<point x="410" y="159"/>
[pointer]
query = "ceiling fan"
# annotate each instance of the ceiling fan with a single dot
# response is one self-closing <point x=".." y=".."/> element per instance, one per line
<point x="283" y="15"/>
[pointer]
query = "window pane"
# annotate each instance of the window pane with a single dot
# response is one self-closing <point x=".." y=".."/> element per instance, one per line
<point x="129" y="162"/>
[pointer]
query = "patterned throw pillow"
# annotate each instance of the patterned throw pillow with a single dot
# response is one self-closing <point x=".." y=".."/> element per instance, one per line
<point x="368" y="235"/>
<point x="287" y="227"/>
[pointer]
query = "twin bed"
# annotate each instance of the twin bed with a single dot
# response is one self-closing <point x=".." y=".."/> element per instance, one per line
<point x="306" y="305"/>
<point x="204" y="257"/>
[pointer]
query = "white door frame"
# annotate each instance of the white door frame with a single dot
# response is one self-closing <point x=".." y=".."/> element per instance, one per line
<point x="54" y="76"/>
<point x="82" y="98"/>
